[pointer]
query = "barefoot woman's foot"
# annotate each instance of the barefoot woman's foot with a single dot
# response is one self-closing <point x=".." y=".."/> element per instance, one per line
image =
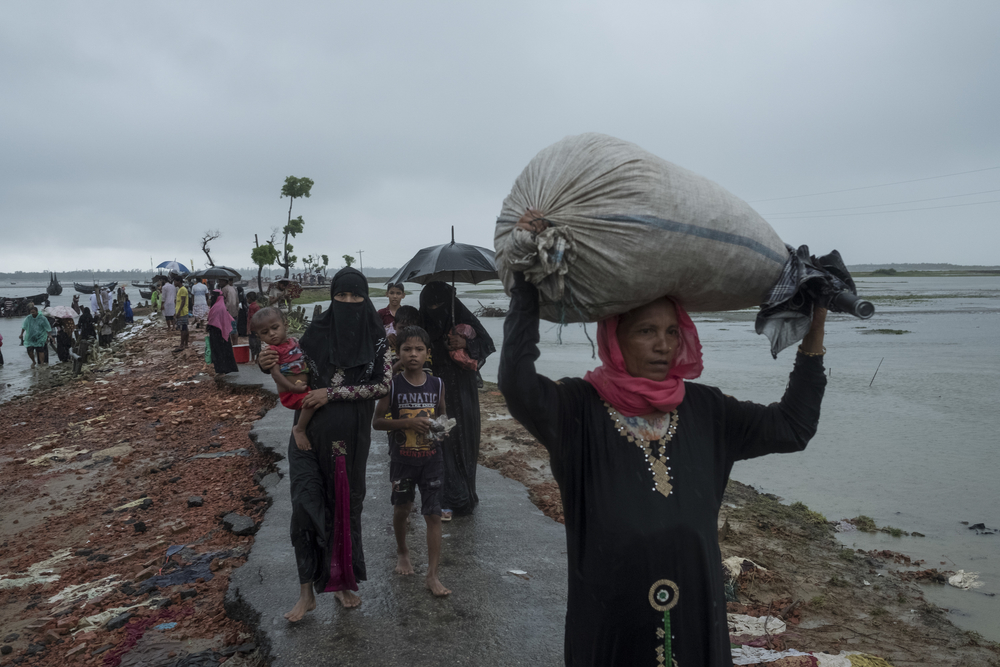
<point x="347" y="598"/>
<point x="301" y="441"/>
<point x="306" y="603"/>
<point x="403" y="565"/>
<point x="436" y="587"/>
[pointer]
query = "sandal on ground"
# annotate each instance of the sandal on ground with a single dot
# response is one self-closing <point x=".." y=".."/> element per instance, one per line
<point x="446" y="515"/>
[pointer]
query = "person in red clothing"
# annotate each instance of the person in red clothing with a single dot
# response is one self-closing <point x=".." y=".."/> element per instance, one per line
<point x="395" y="292"/>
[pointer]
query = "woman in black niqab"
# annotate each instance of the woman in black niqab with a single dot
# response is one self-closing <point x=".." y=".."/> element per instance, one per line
<point x="348" y="334"/>
<point x="349" y="370"/>
<point x="461" y="448"/>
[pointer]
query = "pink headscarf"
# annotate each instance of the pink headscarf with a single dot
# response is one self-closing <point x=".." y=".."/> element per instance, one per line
<point x="219" y="317"/>
<point x="633" y="396"/>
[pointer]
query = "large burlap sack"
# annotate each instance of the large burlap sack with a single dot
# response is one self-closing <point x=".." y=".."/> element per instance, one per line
<point x="627" y="227"/>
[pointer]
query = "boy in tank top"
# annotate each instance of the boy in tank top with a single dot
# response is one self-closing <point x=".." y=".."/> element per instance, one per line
<point x="415" y="399"/>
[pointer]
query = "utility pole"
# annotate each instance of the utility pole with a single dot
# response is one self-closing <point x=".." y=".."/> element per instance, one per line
<point x="361" y="262"/>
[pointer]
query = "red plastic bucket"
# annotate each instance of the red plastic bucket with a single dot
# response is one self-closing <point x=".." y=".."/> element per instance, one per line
<point x="242" y="354"/>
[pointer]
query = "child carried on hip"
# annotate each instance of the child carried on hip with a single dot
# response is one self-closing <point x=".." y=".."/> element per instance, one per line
<point x="291" y="373"/>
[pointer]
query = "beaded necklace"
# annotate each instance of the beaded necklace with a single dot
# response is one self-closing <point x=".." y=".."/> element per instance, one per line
<point x="659" y="466"/>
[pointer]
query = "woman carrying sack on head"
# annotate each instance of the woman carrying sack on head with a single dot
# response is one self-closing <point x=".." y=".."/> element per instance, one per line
<point x="642" y="459"/>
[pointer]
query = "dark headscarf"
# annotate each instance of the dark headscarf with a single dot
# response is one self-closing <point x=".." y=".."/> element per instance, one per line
<point x="347" y="334"/>
<point x="438" y="321"/>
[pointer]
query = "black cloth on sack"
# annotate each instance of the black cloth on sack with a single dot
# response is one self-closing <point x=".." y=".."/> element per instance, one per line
<point x="222" y="352"/>
<point x="461" y="446"/>
<point x="345" y="348"/>
<point x="624" y="538"/>
<point x="806" y="281"/>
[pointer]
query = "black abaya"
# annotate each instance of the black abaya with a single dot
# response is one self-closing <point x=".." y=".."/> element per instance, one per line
<point x="461" y="446"/>
<point x="222" y="352"/>
<point x="346" y="421"/>
<point x="348" y="356"/>
<point x="64" y="342"/>
<point x="625" y="540"/>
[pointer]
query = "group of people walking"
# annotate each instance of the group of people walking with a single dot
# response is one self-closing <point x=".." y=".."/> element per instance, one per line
<point x="350" y="354"/>
<point x="641" y="454"/>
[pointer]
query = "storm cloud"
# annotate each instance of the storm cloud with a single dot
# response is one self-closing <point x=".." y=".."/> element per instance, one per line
<point x="131" y="128"/>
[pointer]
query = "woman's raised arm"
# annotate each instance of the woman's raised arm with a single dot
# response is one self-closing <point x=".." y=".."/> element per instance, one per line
<point x="532" y="399"/>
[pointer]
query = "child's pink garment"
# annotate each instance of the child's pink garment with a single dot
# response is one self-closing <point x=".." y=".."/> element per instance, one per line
<point x="461" y="357"/>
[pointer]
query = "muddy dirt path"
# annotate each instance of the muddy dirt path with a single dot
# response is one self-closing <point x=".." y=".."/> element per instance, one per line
<point x="105" y="475"/>
<point x="786" y="565"/>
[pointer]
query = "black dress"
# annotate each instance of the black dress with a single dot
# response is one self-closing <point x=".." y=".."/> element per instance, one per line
<point x="222" y="351"/>
<point x="461" y="390"/>
<point x="343" y="424"/>
<point x="64" y="342"/>
<point x="640" y="561"/>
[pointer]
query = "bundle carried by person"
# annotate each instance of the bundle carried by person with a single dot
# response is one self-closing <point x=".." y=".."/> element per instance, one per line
<point x="625" y="227"/>
<point x="616" y="227"/>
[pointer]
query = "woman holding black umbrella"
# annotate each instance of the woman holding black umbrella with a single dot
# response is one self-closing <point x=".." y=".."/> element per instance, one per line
<point x="442" y="312"/>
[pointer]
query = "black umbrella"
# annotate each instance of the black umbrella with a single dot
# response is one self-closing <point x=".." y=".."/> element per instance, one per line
<point x="217" y="272"/>
<point x="457" y="262"/>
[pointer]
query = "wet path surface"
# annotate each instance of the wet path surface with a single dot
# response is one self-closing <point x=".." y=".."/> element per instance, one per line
<point x="492" y="617"/>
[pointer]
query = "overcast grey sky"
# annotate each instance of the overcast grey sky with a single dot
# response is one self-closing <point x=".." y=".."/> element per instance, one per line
<point x="131" y="128"/>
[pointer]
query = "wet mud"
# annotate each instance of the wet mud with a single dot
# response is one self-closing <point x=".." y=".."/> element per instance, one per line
<point x="105" y="475"/>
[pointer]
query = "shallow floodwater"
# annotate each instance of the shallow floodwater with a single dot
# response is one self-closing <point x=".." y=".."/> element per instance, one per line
<point x="17" y="375"/>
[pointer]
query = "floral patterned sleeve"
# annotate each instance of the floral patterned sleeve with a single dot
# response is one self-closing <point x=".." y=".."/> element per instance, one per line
<point x="377" y="388"/>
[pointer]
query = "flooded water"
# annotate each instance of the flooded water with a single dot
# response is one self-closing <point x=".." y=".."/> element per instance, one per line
<point x="914" y="449"/>
<point x="16" y="375"/>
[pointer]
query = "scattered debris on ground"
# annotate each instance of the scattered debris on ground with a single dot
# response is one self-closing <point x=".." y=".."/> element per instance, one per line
<point x="489" y="311"/>
<point x="113" y="545"/>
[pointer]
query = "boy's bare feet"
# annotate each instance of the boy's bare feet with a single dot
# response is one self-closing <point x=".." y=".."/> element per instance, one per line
<point x="306" y="603"/>
<point x="436" y="587"/>
<point x="403" y="565"/>
<point x="301" y="440"/>
<point x="348" y="599"/>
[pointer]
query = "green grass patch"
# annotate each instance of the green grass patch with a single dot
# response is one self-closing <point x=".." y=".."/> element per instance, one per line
<point x="818" y="601"/>
<point x="810" y="516"/>
<point x="864" y="523"/>
<point x="846" y="555"/>
<point x="879" y="611"/>
<point x="767" y="512"/>
<point x="315" y="296"/>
